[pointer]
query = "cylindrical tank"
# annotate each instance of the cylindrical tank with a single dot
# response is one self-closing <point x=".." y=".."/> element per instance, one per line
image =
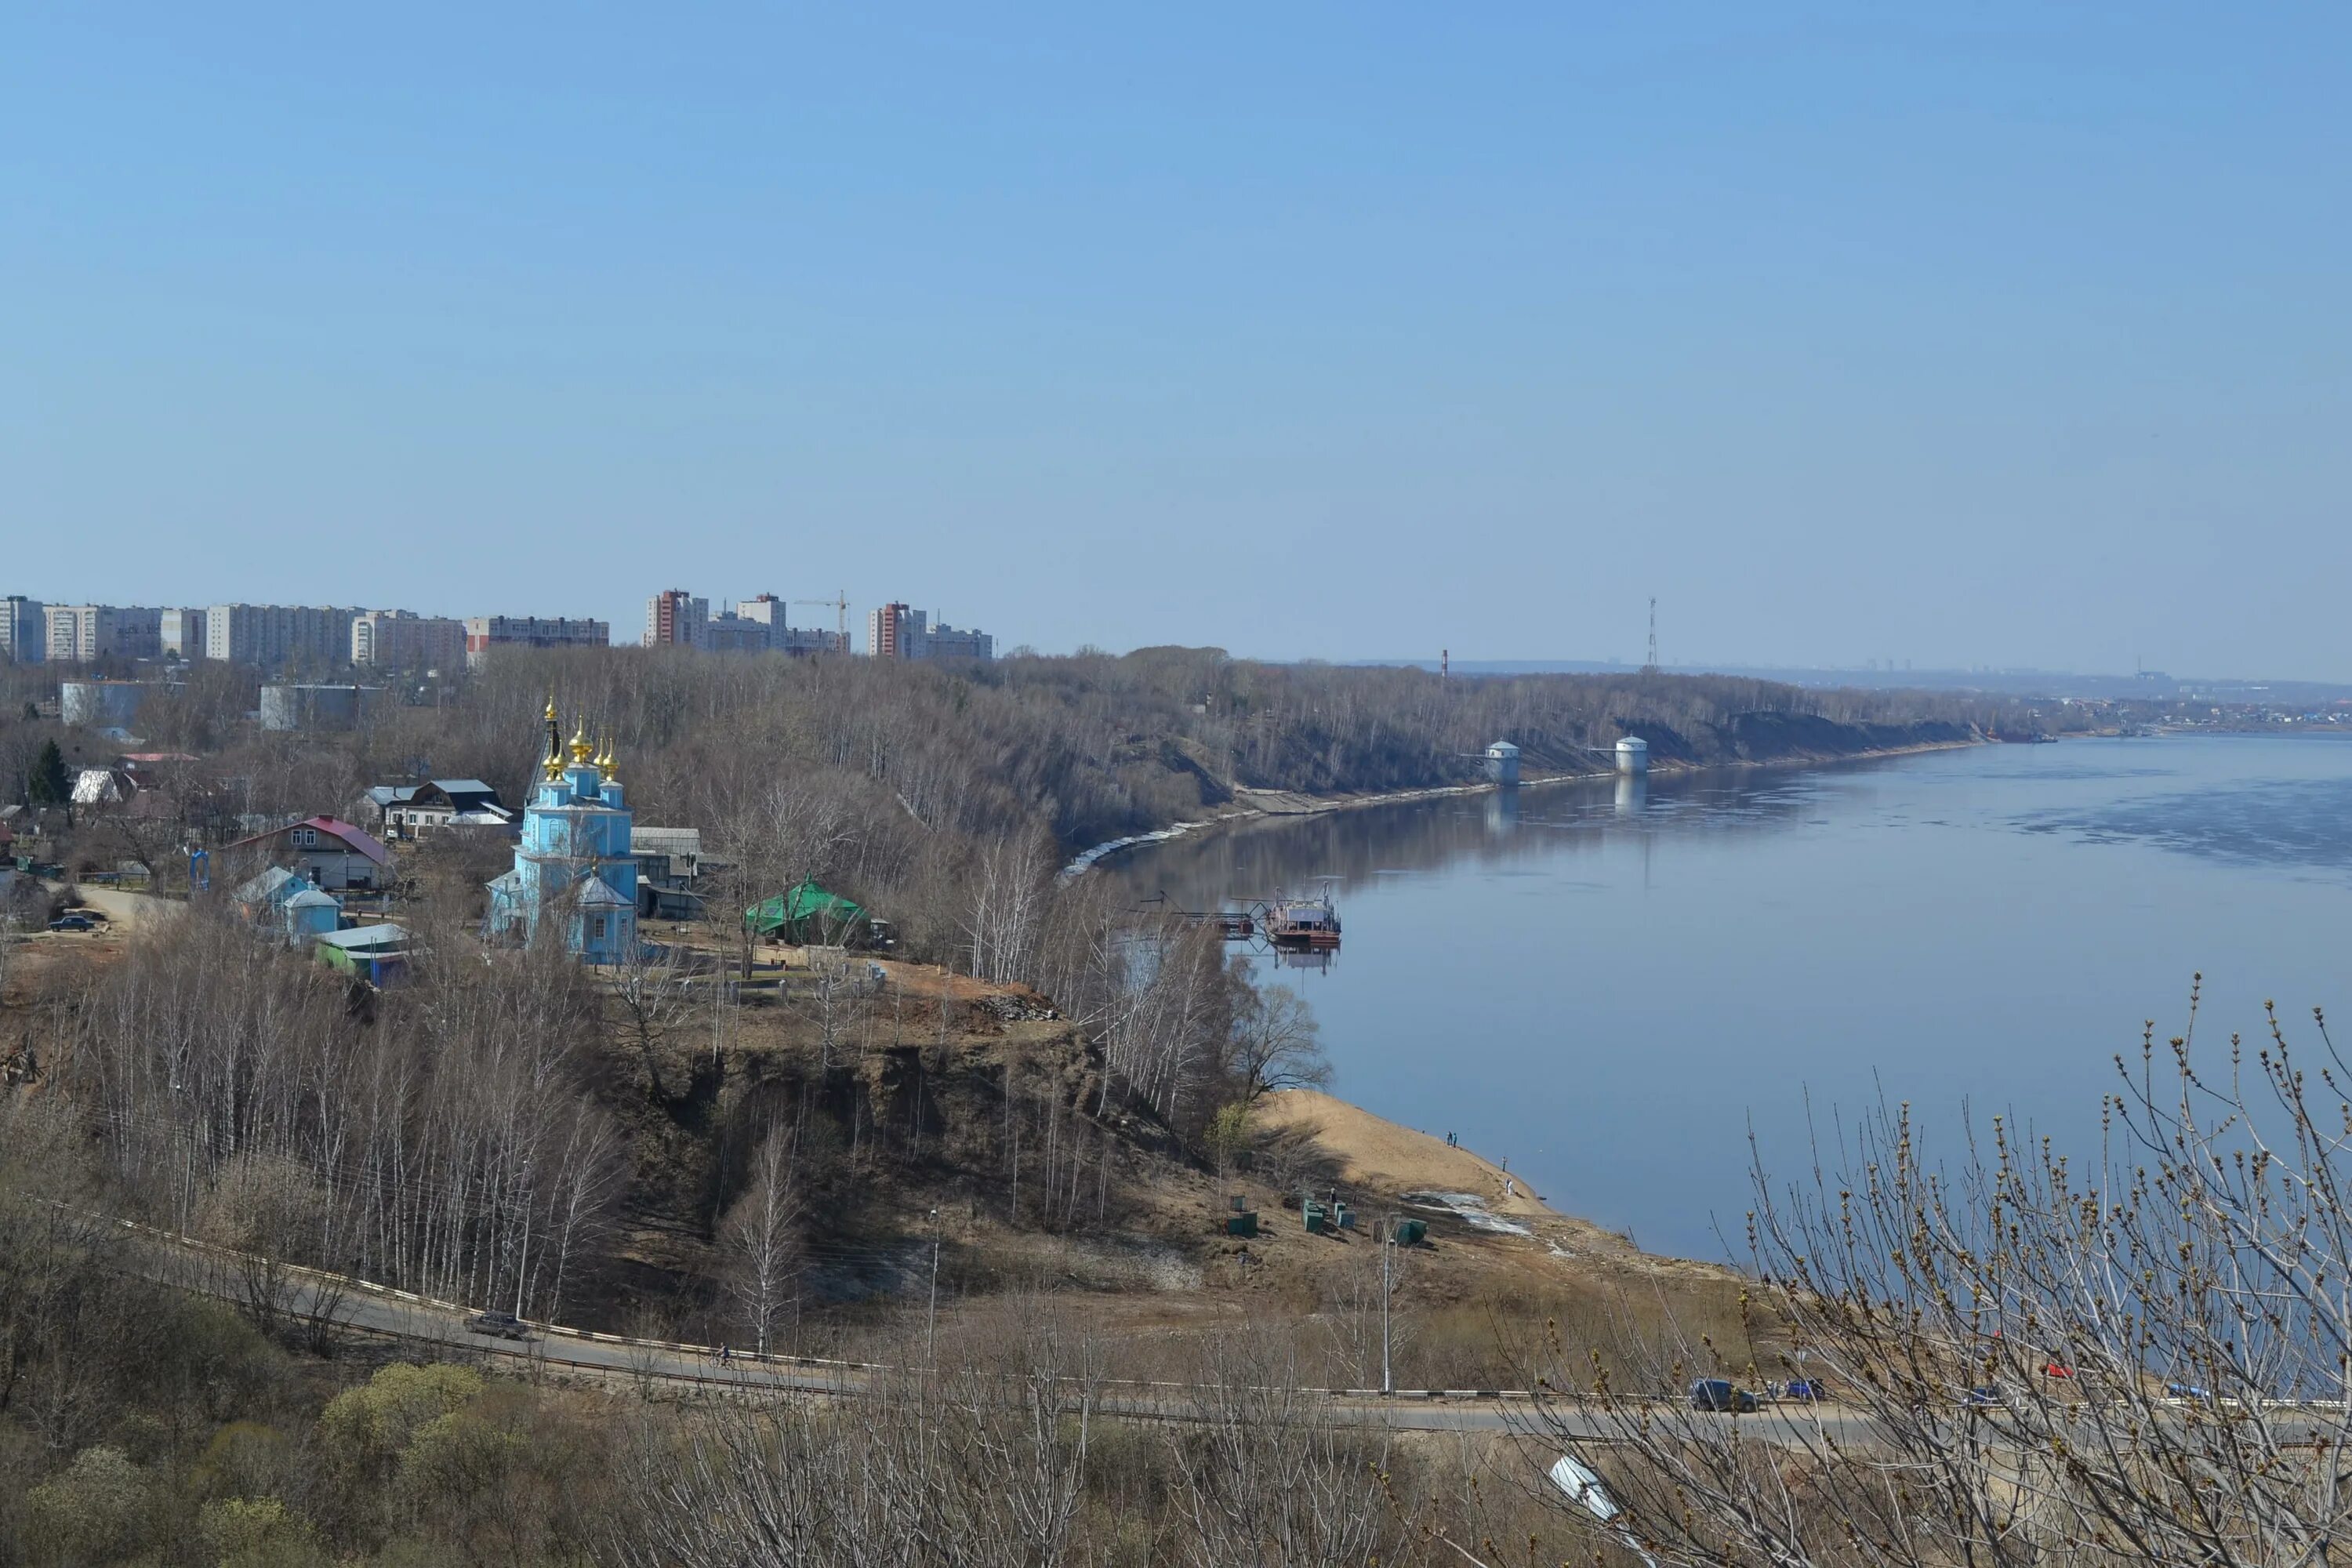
<point x="100" y="704"/>
<point x="1633" y="755"/>
<point x="1502" y="763"/>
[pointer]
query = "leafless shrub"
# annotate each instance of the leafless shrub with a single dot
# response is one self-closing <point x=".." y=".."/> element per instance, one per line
<point x="2141" y="1358"/>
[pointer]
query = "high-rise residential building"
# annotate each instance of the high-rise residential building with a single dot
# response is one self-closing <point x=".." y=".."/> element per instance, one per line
<point x="944" y="641"/>
<point x="402" y="639"/>
<point x="76" y="634"/>
<point x="484" y="633"/>
<point x="676" y="618"/>
<point x="274" y="637"/>
<point x="182" y="634"/>
<point x="757" y="626"/>
<point x="727" y="632"/>
<point x="24" y="629"/>
<point x="894" y="631"/>
<point x="767" y="610"/>
<point x="889" y="628"/>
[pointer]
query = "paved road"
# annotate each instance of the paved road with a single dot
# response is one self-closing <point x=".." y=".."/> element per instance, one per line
<point x="441" y="1326"/>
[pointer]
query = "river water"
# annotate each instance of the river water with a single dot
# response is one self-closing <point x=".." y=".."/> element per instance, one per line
<point x="1610" y="984"/>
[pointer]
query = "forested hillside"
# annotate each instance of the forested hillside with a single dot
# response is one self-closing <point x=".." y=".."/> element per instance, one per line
<point x="1090" y="747"/>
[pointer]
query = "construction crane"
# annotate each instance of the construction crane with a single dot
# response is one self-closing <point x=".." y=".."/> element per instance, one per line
<point x="840" y="603"/>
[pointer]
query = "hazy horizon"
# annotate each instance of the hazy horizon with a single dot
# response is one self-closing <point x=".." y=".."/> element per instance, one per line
<point x="2011" y="339"/>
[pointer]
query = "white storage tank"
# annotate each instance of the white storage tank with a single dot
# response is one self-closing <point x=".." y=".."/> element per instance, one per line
<point x="1633" y="755"/>
<point x="1502" y="763"/>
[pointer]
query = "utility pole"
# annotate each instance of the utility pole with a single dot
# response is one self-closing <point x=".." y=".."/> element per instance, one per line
<point x="1651" y="667"/>
<point x="1388" y="1240"/>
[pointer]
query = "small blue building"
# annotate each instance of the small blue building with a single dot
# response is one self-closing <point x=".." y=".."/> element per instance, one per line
<point x="308" y="915"/>
<point x="573" y="876"/>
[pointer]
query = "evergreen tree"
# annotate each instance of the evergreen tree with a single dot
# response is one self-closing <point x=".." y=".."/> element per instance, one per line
<point x="48" y="785"/>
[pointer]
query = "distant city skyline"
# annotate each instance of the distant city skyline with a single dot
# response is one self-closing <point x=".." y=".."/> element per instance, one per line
<point x="862" y="638"/>
<point x="2009" y="336"/>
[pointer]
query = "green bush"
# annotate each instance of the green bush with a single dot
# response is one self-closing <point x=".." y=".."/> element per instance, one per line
<point x="95" y="1511"/>
<point x="258" y="1533"/>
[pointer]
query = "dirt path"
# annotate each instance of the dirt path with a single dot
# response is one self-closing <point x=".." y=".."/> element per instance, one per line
<point x="122" y="910"/>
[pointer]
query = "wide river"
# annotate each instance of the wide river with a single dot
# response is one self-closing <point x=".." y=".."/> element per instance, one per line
<point x="1609" y="985"/>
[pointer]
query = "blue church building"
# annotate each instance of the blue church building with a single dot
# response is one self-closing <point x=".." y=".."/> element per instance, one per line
<point x="574" y="878"/>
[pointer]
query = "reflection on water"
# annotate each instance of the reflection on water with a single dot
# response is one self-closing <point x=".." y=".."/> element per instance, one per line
<point x="1615" y="983"/>
<point x="1502" y="812"/>
<point x="1257" y="859"/>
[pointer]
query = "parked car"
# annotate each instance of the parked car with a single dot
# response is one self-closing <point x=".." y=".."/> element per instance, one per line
<point x="73" y="923"/>
<point x="1984" y="1394"/>
<point x="498" y="1325"/>
<point x="2184" y="1391"/>
<point x="1806" y="1390"/>
<point x="2055" y="1368"/>
<point x="1714" y="1393"/>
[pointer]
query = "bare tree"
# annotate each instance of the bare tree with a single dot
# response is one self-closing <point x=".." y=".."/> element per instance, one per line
<point x="2136" y="1359"/>
<point x="1266" y="1476"/>
<point x="1276" y="1041"/>
<point x="1009" y="887"/>
<point x="762" y="1234"/>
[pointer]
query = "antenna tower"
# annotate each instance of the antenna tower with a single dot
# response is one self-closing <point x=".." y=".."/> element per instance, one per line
<point x="1650" y="666"/>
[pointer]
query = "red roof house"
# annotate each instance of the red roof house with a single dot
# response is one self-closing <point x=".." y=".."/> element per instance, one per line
<point x="333" y="854"/>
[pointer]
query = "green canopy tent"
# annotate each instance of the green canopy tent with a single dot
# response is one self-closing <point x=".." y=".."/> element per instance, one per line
<point x="807" y="913"/>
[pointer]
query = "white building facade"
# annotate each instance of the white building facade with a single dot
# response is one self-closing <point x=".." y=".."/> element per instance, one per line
<point x="24" y="629"/>
<point x="271" y="637"/>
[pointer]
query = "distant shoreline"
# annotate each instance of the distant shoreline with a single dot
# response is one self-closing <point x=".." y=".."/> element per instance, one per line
<point x="1275" y="802"/>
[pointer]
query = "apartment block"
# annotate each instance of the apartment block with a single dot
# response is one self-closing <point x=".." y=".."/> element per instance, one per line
<point x="273" y="636"/>
<point x="676" y="618"/>
<point x="889" y="628"/>
<point x="894" y="631"/>
<point x="944" y="641"/>
<point x="402" y="639"/>
<point x="182" y="634"/>
<point x="77" y="634"/>
<point x="484" y="633"/>
<point x="24" y="629"/>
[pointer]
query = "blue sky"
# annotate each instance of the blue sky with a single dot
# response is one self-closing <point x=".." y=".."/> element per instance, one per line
<point x="2013" y="335"/>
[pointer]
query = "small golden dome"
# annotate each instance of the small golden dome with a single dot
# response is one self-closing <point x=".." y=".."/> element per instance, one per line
<point x="579" y="747"/>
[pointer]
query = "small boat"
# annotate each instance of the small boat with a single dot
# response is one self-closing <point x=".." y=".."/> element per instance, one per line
<point x="1310" y="924"/>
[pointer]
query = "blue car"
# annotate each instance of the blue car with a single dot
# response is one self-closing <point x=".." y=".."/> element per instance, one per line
<point x="1714" y="1393"/>
<point x="1806" y="1390"/>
